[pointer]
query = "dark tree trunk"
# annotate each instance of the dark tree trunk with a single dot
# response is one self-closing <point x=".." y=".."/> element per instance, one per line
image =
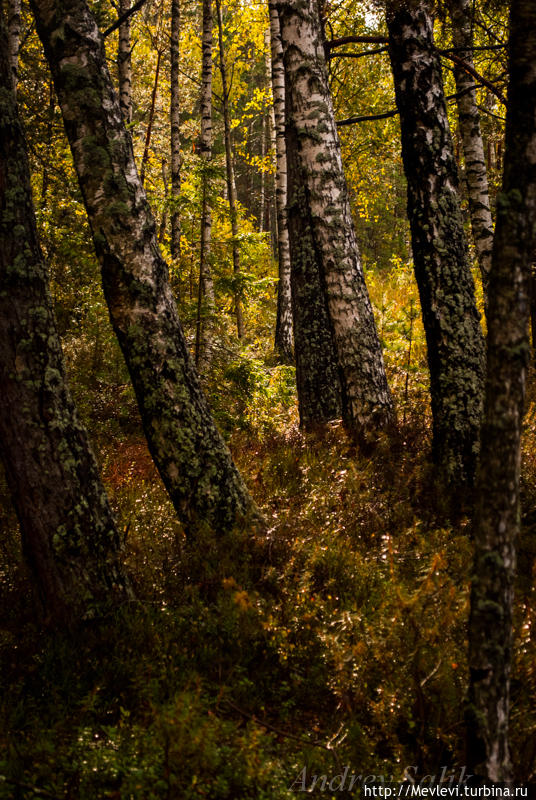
<point x="440" y="254"/>
<point x="68" y="532"/>
<point x="338" y="354"/>
<point x="497" y="510"/>
<point x="174" y="113"/>
<point x="283" y="329"/>
<point x="473" y="146"/>
<point x="194" y="462"/>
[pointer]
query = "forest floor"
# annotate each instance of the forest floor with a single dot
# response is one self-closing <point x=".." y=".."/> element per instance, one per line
<point x="340" y="651"/>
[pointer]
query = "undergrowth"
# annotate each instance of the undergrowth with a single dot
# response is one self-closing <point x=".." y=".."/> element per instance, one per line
<point x="244" y="671"/>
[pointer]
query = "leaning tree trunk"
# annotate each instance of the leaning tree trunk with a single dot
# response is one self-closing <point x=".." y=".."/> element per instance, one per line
<point x="205" y="305"/>
<point x="440" y="254"/>
<point x="473" y="146"/>
<point x="68" y="532"/>
<point x="174" y="114"/>
<point x="124" y="64"/>
<point x="497" y="511"/>
<point x="329" y="296"/>
<point x="231" y="183"/>
<point x="283" y="328"/>
<point x="194" y="462"/>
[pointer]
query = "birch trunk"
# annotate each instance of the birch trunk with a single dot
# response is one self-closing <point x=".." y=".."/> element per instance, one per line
<point x="283" y="328"/>
<point x="497" y="509"/>
<point x="440" y="253"/>
<point x="68" y="532"/>
<point x="194" y="462"/>
<point x="231" y="183"/>
<point x="205" y="305"/>
<point x="324" y="252"/>
<point x="124" y="64"/>
<point x="174" y="114"/>
<point x="473" y="145"/>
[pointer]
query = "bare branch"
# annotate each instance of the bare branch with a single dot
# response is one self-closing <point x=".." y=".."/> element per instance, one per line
<point x="123" y="18"/>
<point x="359" y="55"/>
<point x="472" y="71"/>
<point x="331" y="43"/>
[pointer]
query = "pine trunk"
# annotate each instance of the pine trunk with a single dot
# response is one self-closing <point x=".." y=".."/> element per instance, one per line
<point x="68" y="532"/>
<point x="231" y="183"/>
<point x="174" y="114"/>
<point x="497" y="510"/>
<point x="124" y="64"/>
<point x="194" y="462"/>
<point x="338" y="353"/>
<point x="283" y="329"/>
<point x="440" y="253"/>
<point x="473" y="145"/>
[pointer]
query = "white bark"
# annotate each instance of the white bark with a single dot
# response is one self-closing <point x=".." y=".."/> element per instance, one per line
<point x="473" y="145"/>
<point x="312" y="132"/>
<point x="283" y="333"/>
<point x="124" y="64"/>
<point x="206" y="285"/>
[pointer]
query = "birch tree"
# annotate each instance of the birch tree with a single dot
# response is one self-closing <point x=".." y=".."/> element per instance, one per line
<point x="338" y="354"/>
<point x="69" y="536"/>
<point x="508" y="354"/>
<point x="124" y="64"/>
<point x="283" y="330"/>
<point x="473" y="145"/>
<point x="195" y="465"/>
<point x="440" y="253"/>
<point x="206" y="286"/>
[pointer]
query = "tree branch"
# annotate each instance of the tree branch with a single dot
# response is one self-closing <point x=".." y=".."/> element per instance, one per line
<point x="366" y="118"/>
<point x="472" y="71"/>
<point x="123" y="18"/>
<point x="386" y="114"/>
<point x="358" y="55"/>
<point x="329" y="44"/>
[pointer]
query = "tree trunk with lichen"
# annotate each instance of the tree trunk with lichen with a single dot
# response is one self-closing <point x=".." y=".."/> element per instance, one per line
<point x="195" y="465"/>
<point x="441" y="259"/>
<point x="338" y="353"/>
<point x="69" y="536"/>
<point x="283" y="328"/>
<point x="124" y="64"/>
<point x="497" y="509"/>
<point x="476" y="175"/>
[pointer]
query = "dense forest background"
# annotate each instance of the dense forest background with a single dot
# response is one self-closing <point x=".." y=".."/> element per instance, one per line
<point x="337" y="636"/>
